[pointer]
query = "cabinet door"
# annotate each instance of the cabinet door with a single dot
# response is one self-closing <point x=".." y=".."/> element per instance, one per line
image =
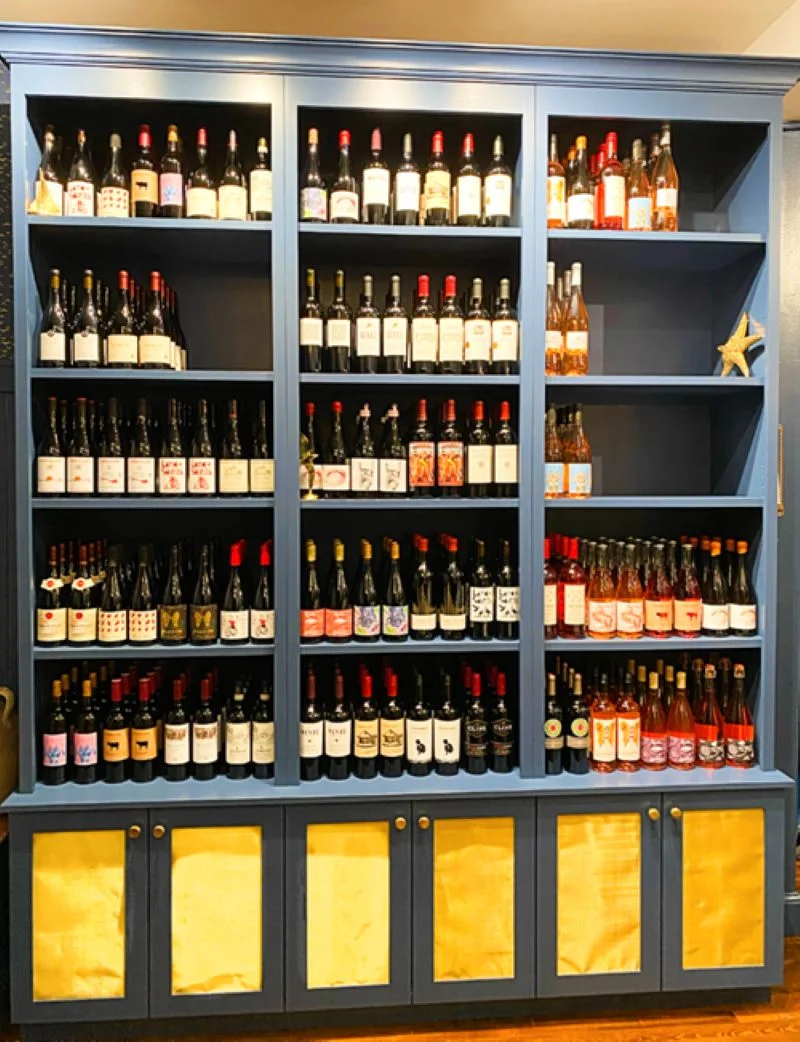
<point x="473" y="900"/>
<point x="79" y="916"/>
<point x="348" y="906"/>
<point x="723" y="890"/>
<point x="598" y="895"/>
<point x="216" y="905"/>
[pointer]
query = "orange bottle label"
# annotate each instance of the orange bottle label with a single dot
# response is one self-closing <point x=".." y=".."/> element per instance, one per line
<point x="312" y="623"/>
<point x="339" y="622"/>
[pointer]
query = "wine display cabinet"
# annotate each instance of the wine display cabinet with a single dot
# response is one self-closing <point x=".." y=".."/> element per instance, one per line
<point x="362" y="892"/>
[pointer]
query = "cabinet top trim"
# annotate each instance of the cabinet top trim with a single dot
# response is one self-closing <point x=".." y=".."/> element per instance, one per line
<point x="315" y="56"/>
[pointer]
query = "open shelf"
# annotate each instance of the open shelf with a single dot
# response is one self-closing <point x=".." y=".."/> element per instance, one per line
<point x="425" y="234"/>
<point x="152" y="503"/>
<point x="255" y="376"/>
<point x="194" y="224"/>
<point x="389" y="647"/>
<point x="154" y="651"/>
<point x="619" y="390"/>
<point x="410" y="379"/>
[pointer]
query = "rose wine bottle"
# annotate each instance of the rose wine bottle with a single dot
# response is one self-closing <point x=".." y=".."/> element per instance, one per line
<point x="738" y="730"/>
<point x="681" y="738"/>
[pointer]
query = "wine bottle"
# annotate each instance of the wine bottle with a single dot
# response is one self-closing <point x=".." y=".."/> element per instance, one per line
<point x="447" y="732"/>
<point x="51" y="464"/>
<point x="423" y="616"/>
<point x="393" y="473"/>
<point x="338" y="609"/>
<point x="424" y="330"/>
<point x="116" y="737"/>
<point x="313" y="194"/>
<point x="155" y="350"/>
<point x="505" y="459"/>
<point x="576" y="327"/>
<point x="407" y="186"/>
<point x="498" y="186"/>
<point x="688" y="606"/>
<point x="201" y="195"/>
<point x="51" y="611"/>
<point x="639" y="211"/>
<point x="79" y="200"/>
<point x="261" y="188"/>
<point x="454" y="599"/>
<point x="481" y="595"/>
<point x="114" y="199"/>
<point x="203" y="613"/>
<point x="395" y="607"/>
<point x="144" y="179"/>
<point x="344" y="193"/>
<point x="336" y="468"/>
<point x="143" y="614"/>
<point x="54" y="740"/>
<point x="311" y="327"/>
<point x="234" y="622"/>
<point x="716" y="619"/>
<point x="205" y="735"/>
<point x="238" y="738"/>
<point x="144" y="736"/>
<point x="82" y="612"/>
<point x="366" y="607"/>
<point x="84" y="742"/>
<point x="477" y="333"/>
<point x="553" y="729"/>
<point x="338" y="330"/>
<point x="468" y="197"/>
<point x="262" y="465"/>
<point x="311" y="732"/>
<point x="262" y="612"/>
<point x="112" y="616"/>
<point x="741" y="598"/>
<point x="576" y="760"/>
<point x="419" y="732"/>
<point x="480" y="455"/>
<point x="368" y="331"/>
<point x="392" y="730"/>
<point x="86" y="352"/>
<point x="738" y="730"/>
<point x="681" y="738"/>
<point x="658" y="598"/>
<point x="170" y="178"/>
<point x="49" y="187"/>
<point x="312" y="612"/>
<point x="375" y="184"/>
<point x="578" y="458"/>
<point x="556" y="188"/>
<point x="550" y="594"/>
<point x="421" y="454"/>
<point x="264" y="736"/>
<point x="364" y="462"/>
<point x="53" y="328"/>
<point x="436" y="191"/>
<point x="141" y="462"/>
<point x="234" y="470"/>
<point x="232" y="191"/>
<point x="173" y="617"/>
<point x="202" y="464"/>
<point x="664" y="186"/>
<point x="580" y="191"/>
<point x="172" y="461"/>
<point x="450" y="454"/>
<point x="451" y="331"/>
<point x="177" y="753"/>
<point x="122" y="344"/>
<point x="366" y="740"/>
<point x="338" y="727"/>
<point x="395" y="330"/>
<point x="476" y="745"/>
<point x="501" y="730"/>
<point x="507" y="595"/>
<point x="708" y="725"/>
<point x="505" y="333"/>
<point x="572" y="595"/>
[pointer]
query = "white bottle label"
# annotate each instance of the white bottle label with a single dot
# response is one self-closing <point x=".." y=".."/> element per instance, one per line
<point x="176" y="744"/>
<point x="577" y="340"/>
<point x="630" y="617"/>
<point x="579" y="479"/>
<point x="310" y="739"/>
<point x="52" y="347"/>
<point x="437" y="190"/>
<point x="424" y="340"/>
<point x="123" y="349"/>
<point x="688" y="616"/>
<point x="51" y="475"/>
<point x="666" y="198"/>
<point x="392" y="737"/>
<point x="318" y="477"/>
<point x="201" y="202"/>
<point x="629" y="738"/>
<point x="365" y="739"/>
<point x="580" y="208"/>
<point x="86" y="347"/>
<point x="604" y="739"/>
<point x="154" y="350"/>
<point x="202" y="476"/>
<point x="51" y="625"/>
<point x="743" y="617"/>
<point x="79" y="200"/>
<point x="407" y="186"/>
<point x="232" y="202"/>
<point x="234" y="625"/>
<point x="554" y="475"/>
<point x="263" y="741"/>
<point x="506" y="464"/>
<point x="237" y="743"/>
<point x="80" y="474"/>
<point x="233" y="476"/>
<point x="141" y="475"/>
<point x="507" y="603"/>
<point x="497" y="195"/>
<point x="452" y="623"/>
<point x="338" y="332"/>
<point x="481" y="604"/>
<point x="614" y="196"/>
<point x="344" y="206"/>
<point x="554" y="340"/>
<point x="368" y="337"/>
<point x="395" y="337"/>
<point x="393" y="476"/>
<point x="601" y="618"/>
<point x="364" y="474"/>
<point x="114" y="202"/>
<point x="658" y="616"/>
<point x="447" y="741"/>
<point x="376" y="186"/>
<point x="419" y="740"/>
<point x="424" y="623"/>
<point x="313" y="204"/>
<point x="112" y="626"/>
<point x="171" y="476"/>
<point x="205" y="742"/>
<point x="338" y="738"/>
<point x="574" y="604"/>
<point x="477" y="340"/>
<point x="262" y="624"/>
<point x="640" y="213"/>
<point x="260" y="193"/>
<point x="550" y="604"/>
<point x="262" y="476"/>
<point x="505" y="340"/>
<point x="82" y="625"/>
<point x="336" y="477"/>
<point x="479" y="464"/>
<point x="311" y="332"/>
<point x="468" y="196"/>
<point x="451" y="340"/>
<point x="142" y="626"/>
<point x="716" y="617"/>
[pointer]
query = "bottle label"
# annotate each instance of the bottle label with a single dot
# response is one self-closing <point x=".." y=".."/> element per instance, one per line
<point x="171" y="476"/>
<point x="393" y="737"/>
<point x="614" y="196"/>
<point x="550" y="604"/>
<point x="313" y="204"/>
<point x="366" y="620"/>
<point x="143" y="626"/>
<point x="393" y="476"/>
<point x="479" y="464"/>
<point x="506" y="467"/>
<point x="577" y="341"/>
<point x="338" y="332"/>
<point x="114" y="202"/>
<point x="202" y="476"/>
<point x="260" y="192"/>
<point x="262" y="624"/>
<point x="368" y="337"/>
<point x="205" y="742"/>
<point x="365" y="739"/>
<point x="554" y="475"/>
<point x="86" y="347"/>
<point x="688" y="616"/>
<point x="497" y="195"/>
<point x="201" y="202"/>
<point x="339" y="622"/>
<point x="468" y="196"/>
<point x="710" y="746"/>
<point x="505" y="340"/>
<point x="601" y="618"/>
<point x="174" y="623"/>
<point x="82" y="625"/>
<point x="310" y="739"/>
<point x="604" y="740"/>
<point x="452" y="623"/>
<point x="233" y="476"/>
<point x="237" y="743"/>
<point x="170" y="189"/>
<point x="262" y="476"/>
<point x="394" y="620"/>
<point x="407" y="190"/>
<point x="446" y="741"/>
<point x="204" y="622"/>
<point x="51" y="475"/>
<point x="338" y="738"/>
<point x="376" y="187"/>
<point x="715" y="617"/>
<point x="305" y="477"/>
<point x="580" y="208"/>
<point x="654" y="749"/>
<point x="502" y="736"/>
<point x="144" y="186"/>
<point x="155" y="350"/>
<point x="666" y="198"/>
<point x="344" y="206"/>
<point x="553" y="733"/>
<point x="450" y="464"/>
<point x="423" y="623"/>
<point x="116" y="745"/>
<point x="176" y="743"/>
<point x="112" y="627"/>
<point x="554" y="341"/>
<point x="336" y="477"/>
<point x="681" y="748"/>
<point x="451" y="339"/>
<point x="579" y="479"/>
<point x="312" y="622"/>
<point x="53" y="347"/>
<point x="144" y="743"/>
<point x="49" y="197"/>
<point x="437" y="190"/>
<point x="395" y="337"/>
<point x="84" y="750"/>
<point x="54" y="750"/>
<point x="481" y="604"/>
<point x="629" y="737"/>
<point x="477" y="340"/>
<point x="557" y="199"/>
<point x="123" y="349"/>
<point x="574" y="598"/>
<point x="364" y="474"/>
<point x="507" y="603"/>
<point x="79" y="200"/>
<point x="475" y="735"/>
<point x="51" y="625"/>
<point x="421" y="464"/>
<point x="630" y="617"/>
<point x="234" y="625"/>
<point x="263" y="741"/>
<point x="419" y="740"/>
<point x="424" y="340"/>
<point x="640" y="213"/>
<point x="141" y="475"/>
<point x="743" y="617"/>
<point x="311" y="332"/>
<point x="658" y="616"/>
<point x="578" y="737"/>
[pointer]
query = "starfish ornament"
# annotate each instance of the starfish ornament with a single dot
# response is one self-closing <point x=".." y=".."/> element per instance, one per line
<point x="733" y="349"/>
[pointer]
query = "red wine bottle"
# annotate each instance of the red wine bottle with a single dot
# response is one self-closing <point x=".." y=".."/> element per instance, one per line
<point x="424" y="330"/>
<point x="144" y="179"/>
<point x="262" y="613"/>
<point x="392" y="731"/>
<point x="311" y="732"/>
<point x="176" y="736"/>
<point x="205" y="735"/>
<point x="344" y="193"/>
<point x="144" y="736"/>
<point x="451" y="331"/>
<point x="395" y="330"/>
<point x="234" y="620"/>
<point x="375" y="184"/>
<point x="436" y="190"/>
<point x="468" y="186"/>
<point x="338" y="727"/>
<point x="480" y="455"/>
<point x="368" y="331"/>
<point x="116" y="737"/>
<point x="366" y="732"/>
<point x="53" y="328"/>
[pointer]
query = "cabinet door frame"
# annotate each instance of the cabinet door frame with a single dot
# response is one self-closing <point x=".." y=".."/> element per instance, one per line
<point x="522" y="984"/>
<point x="270" y="998"/>
<point x="398" y="991"/>
<point x="133" y="1005"/>
<point x="675" y="977"/>
<point x="548" y="983"/>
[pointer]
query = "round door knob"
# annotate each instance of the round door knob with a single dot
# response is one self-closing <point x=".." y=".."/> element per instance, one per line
<point x="400" y="824"/>
<point x="159" y="831"/>
<point x="424" y="822"/>
<point x="676" y="813"/>
<point x="654" y="814"/>
<point x="135" y="831"/>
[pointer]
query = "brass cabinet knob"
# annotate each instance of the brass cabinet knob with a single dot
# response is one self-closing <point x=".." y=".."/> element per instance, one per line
<point x="135" y="831"/>
<point x="159" y="831"/>
<point x="400" y="823"/>
<point x="676" y="813"/>
<point x="654" y="814"/>
<point x="424" y="822"/>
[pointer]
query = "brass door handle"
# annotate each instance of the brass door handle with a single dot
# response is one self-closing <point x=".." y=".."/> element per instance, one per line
<point x="675" y="813"/>
<point x="654" y="814"/>
<point x="424" y="822"/>
<point x="400" y="823"/>
<point x="134" y="831"/>
<point x="781" y="505"/>
<point x="159" y="831"/>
